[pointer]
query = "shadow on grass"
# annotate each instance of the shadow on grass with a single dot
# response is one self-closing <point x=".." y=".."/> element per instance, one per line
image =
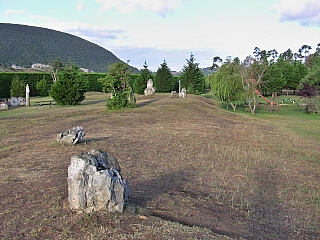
<point x="149" y="190"/>
<point x="171" y="198"/>
<point x="92" y="102"/>
<point x="91" y="140"/>
<point x="146" y="102"/>
<point x="268" y="220"/>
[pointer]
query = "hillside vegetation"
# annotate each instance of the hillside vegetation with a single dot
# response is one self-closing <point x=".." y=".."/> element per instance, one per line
<point x="24" y="45"/>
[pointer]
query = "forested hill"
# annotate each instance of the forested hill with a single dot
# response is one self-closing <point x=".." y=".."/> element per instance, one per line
<point x="24" y="45"/>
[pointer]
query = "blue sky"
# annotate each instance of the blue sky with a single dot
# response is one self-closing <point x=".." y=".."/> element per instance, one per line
<point x="158" y="30"/>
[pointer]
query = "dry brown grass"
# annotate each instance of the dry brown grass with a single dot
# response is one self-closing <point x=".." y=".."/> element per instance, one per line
<point x="196" y="172"/>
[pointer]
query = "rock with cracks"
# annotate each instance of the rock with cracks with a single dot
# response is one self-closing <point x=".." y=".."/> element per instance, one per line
<point x="71" y="136"/>
<point x="95" y="183"/>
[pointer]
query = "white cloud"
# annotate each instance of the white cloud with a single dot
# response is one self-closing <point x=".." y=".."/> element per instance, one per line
<point x="80" y="5"/>
<point x="307" y="12"/>
<point x="15" y="12"/>
<point x="161" y="7"/>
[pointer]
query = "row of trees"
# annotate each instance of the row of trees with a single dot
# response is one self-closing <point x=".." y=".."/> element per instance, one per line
<point x="237" y="81"/>
<point x="122" y="90"/>
<point x="191" y="78"/>
<point x="69" y="82"/>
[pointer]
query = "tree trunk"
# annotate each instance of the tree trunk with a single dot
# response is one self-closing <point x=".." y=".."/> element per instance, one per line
<point x="234" y="106"/>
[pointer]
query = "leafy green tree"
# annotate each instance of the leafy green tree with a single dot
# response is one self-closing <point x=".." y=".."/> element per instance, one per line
<point x="304" y="51"/>
<point x="252" y="71"/>
<point x="18" y="88"/>
<point x="164" y="79"/>
<point x="287" y="55"/>
<point x="69" y="88"/>
<point x="292" y="69"/>
<point x="43" y="87"/>
<point x="299" y="71"/>
<point x="313" y="58"/>
<point x="216" y="62"/>
<point x="273" y="79"/>
<point x="117" y="83"/>
<point x="141" y="83"/>
<point x="313" y="75"/>
<point x="226" y="83"/>
<point x="192" y="77"/>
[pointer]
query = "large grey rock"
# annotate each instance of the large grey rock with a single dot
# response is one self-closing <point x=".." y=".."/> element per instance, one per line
<point x="174" y="94"/>
<point x="183" y="93"/>
<point x="71" y="136"/>
<point x="95" y="183"/>
<point x="4" y="106"/>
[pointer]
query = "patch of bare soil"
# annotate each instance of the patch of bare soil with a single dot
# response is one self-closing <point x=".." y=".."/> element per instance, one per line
<point x="195" y="172"/>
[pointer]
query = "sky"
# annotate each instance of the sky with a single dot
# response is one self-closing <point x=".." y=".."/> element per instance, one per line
<point x="154" y="31"/>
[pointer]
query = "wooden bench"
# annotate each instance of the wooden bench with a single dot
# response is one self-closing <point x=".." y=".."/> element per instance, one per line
<point x="49" y="102"/>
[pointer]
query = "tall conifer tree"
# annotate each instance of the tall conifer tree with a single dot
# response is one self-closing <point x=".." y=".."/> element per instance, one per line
<point x="163" y="79"/>
<point x="192" y="77"/>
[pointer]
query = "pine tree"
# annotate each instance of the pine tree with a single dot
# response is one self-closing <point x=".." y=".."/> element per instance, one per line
<point x="163" y="79"/>
<point x="192" y="77"/>
<point x="141" y="83"/>
<point x="69" y="88"/>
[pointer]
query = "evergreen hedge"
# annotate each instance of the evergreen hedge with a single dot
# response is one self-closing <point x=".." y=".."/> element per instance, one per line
<point x="28" y="78"/>
<point x="92" y="82"/>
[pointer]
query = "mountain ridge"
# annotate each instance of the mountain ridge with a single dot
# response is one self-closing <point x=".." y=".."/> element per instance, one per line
<point x="25" y="45"/>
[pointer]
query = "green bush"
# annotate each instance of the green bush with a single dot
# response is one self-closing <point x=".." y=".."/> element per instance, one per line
<point x="43" y="87"/>
<point x="117" y="83"/>
<point x="117" y="102"/>
<point x="18" y="88"/>
<point x="69" y="89"/>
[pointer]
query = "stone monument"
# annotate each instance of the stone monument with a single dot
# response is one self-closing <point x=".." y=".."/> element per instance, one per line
<point x="95" y="183"/>
<point x="183" y="93"/>
<point x="174" y="94"/>
<point x="150" y="90"/>
<point x="27" y="95"/>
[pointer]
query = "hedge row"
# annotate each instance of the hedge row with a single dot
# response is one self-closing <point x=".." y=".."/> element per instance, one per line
<point x="29" y="78"/>
<point x="32" y="78"/>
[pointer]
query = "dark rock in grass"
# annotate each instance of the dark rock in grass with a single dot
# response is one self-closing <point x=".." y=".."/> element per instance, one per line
<point x="71" y="136"/>
<point x="95" y="183"/>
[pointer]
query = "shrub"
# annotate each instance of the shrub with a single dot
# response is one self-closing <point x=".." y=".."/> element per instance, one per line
<point x="17" y="88"/>
<point x="69" y="89"/>
<point x="43" y="87"/>
<point x="117" y="82"/>
<point x="117" y="102"/>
